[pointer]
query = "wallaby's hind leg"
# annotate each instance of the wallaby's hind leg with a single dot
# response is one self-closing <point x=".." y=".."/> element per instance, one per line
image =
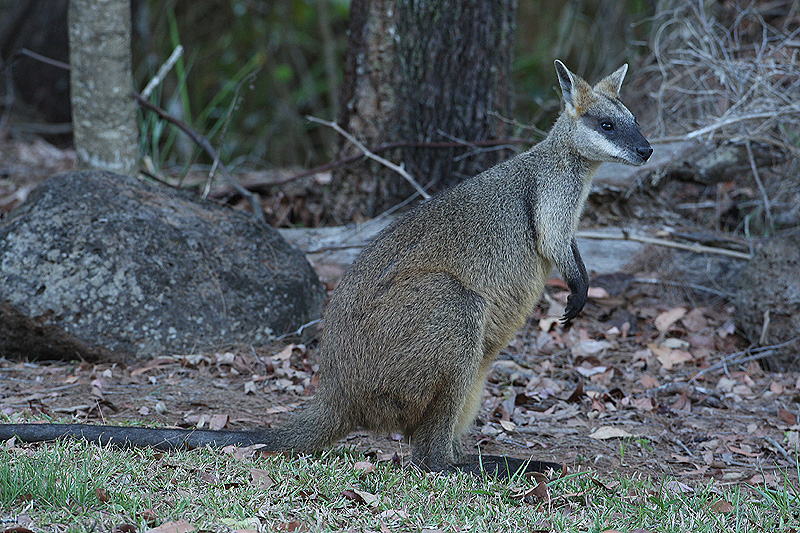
<point x="433" y="440"/>
<point x="451" y="343"/>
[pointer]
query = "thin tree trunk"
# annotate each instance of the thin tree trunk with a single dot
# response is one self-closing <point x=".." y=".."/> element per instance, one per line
<point x="103" y="112"/>
<point x="422" y="71"/>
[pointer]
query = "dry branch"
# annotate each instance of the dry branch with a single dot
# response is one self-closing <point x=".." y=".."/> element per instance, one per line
<point x="695" y="247"/>
<point x="205" y="144"/>
<point x="385" y="162"/>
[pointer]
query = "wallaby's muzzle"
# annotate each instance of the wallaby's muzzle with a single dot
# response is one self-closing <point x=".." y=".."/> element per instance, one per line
<point x="645" y="151"/>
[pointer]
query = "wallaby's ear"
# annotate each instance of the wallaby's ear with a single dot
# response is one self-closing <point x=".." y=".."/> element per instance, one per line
<point x="573" y="88"/>
<point x="612" y="83"/>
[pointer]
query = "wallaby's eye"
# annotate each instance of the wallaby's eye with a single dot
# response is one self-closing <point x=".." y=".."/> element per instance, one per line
<point x="607" y="125"/>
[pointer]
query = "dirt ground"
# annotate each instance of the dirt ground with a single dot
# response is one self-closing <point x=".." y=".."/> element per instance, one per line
<point x="588" y="397"/>
<point x="647" y="381"/>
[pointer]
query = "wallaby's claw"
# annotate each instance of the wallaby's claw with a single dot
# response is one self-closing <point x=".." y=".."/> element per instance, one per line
<point x="574" y="307"/>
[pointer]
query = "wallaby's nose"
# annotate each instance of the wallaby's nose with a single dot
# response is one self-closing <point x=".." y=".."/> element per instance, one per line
<point x="645" y="152"/>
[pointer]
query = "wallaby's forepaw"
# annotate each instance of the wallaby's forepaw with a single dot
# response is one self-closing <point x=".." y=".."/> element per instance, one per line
<point x="575" y="303"/>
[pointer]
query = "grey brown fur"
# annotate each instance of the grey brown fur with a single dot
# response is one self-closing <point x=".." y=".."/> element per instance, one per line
<point x="414" y="325"/>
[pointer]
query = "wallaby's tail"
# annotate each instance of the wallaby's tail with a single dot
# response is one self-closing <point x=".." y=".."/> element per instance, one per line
<point x="133" y="437"/>
<point x="312" y="429"/>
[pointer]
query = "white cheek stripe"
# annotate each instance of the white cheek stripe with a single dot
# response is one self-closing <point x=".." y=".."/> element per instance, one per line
<point x="603" y="145"/>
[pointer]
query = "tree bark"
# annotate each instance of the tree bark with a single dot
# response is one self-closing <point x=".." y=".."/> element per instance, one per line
<point x="103" y="112"/>
<point x="422" y="71"/>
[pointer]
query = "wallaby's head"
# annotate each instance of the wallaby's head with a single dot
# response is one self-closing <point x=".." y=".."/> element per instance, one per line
<point x="604" y="128"/>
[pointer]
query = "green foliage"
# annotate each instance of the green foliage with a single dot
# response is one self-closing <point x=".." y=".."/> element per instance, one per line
<point x="62" y="483"/>
<point x="42" y="478"/>
<point x="250" y="70"/>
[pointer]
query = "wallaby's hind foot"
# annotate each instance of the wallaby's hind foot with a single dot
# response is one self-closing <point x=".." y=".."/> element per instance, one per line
<point x="504" y="467"/>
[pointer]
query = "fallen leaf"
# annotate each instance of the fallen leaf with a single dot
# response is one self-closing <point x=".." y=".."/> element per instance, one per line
<point x="722" y="506"/>
<point x="364" y="466"/>
<point x="648" y="382"/>
<point x="609" y="432"/>
<point x="102" y="495"/>
<point x="588" y="372"/>
<point x="531" y="495"/>
<point x="666" y="319"/>
<point x="696" y="472"/>
<point x="683" y="403"/>
<point x="787" y="416"/>
<point x="764" y="479"/>
<point x="590" y="347"/>
<point x="744" y="450"/>
<point x="180" y="526"/>
<point x="148" y="515"/>
<point x="294" y="525"/>
<point x="676" y="487"/>
<point x="352" y="495"/>
<point x="670" y="357"/>
<point x="732" y="476"/>
<point x="695" y="320"/>
<point x="643" y="404"/>
<point x="368" y="498"/>
<point x="546" y="323"/>
<point x="508" y="425"/>
<point x="261" y="478"/>
<point x="284" y="354"/>
<point x="577" y="394"/>
<point x="393" y="514"/>
<point x="726" y="384"/>
<point x="217" y="422"/>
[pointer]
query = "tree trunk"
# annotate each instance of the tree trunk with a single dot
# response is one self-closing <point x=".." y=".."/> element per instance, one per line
<point x="421" y="71"/>
<point x="103" y="112"/>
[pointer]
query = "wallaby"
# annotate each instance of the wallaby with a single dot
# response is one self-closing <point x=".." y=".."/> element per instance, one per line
<point x="412" y="329"/>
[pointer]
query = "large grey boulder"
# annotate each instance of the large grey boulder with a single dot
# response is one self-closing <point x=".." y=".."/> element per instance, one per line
<point x="101" y="266"/>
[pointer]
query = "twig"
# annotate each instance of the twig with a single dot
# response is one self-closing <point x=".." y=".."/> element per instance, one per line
<point x="162" y="72"/>
<point x="400" y="170"/>
<point x="43" y="59"/>
<point x="757" y="177"/>
<point x="757" y="353"/>
<point x="775" y="444"/>
<point x="299" y="330"/>
<point x="694" y="247"/>
<point x="205" y="144"/>
<point x="700" y="288"/>
<point x="264" y="184"/>
<point x="10" y="84"/>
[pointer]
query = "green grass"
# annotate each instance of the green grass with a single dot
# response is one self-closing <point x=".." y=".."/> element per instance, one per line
<point x="79" y="487"/>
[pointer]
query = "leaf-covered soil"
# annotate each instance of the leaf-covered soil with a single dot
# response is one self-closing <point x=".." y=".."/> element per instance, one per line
<point x="614" y="392"/>
<point x="649" y="380"/>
